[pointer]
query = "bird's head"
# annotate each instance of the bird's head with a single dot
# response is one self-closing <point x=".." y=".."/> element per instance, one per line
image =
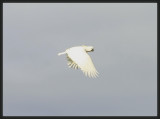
<point x="88" y="48"/>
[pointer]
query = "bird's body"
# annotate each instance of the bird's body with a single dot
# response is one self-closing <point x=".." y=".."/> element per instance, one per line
<point x="78" y="58"/>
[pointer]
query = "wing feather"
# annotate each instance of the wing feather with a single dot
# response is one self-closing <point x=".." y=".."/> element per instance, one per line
<point x="71" y="64"/>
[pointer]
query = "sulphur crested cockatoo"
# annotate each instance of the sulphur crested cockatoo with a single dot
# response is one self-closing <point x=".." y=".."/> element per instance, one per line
<point x="78" y="58"/>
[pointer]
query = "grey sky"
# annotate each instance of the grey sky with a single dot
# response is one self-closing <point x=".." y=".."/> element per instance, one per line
<point x="37" y="82"/>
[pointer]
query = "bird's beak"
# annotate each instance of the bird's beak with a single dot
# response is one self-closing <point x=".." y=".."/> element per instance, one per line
<point x="92" y="50"/>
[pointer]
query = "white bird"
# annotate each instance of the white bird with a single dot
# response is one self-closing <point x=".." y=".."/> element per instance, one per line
<point x="78" y="58"/>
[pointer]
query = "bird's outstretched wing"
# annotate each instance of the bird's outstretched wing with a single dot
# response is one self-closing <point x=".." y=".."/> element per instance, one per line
<point x="83" y="61"/>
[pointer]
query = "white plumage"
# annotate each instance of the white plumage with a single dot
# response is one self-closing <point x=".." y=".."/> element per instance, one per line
<point x="78" y="58"/>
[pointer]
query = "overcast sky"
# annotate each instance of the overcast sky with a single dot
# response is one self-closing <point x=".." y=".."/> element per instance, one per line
<point x="37" y="82"/>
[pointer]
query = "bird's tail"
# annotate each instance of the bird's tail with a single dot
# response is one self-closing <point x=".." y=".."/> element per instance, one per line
<point x="61" y="53"/>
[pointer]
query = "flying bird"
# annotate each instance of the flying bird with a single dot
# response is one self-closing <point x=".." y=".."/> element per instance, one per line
<point x="78" y="58"/>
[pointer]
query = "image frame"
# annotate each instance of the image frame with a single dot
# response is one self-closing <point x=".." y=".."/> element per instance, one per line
<point x="50" y="117"/>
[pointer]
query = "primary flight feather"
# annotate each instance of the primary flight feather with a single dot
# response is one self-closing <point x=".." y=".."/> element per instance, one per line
<point x="78" y="58"/>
